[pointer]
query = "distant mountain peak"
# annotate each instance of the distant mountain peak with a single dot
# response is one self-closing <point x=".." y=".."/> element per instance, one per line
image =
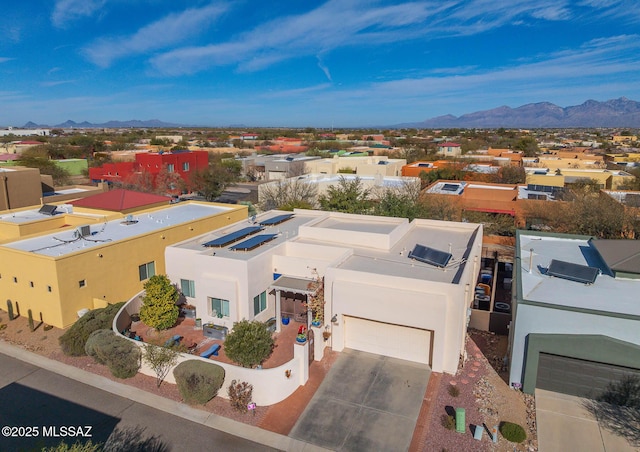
<point x="132" y="123"/>
<point x="621" y="112"/>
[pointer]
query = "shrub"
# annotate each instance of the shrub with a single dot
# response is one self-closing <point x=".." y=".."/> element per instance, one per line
<point x="448" y="422"/>
<point x="240" y="394"/>
<point x="625" y="392"/>
<point x="249" y="344"/>
<point x="198" y="381"/>
<point x="512" y="432"/>
<point x="161" y="360"/>
<point x="159" y="308"/>
<point x="76" y="447"/>
<point x="120" y="355"/>
<point x="74" y="339"/>
<point x="453" y="391"/>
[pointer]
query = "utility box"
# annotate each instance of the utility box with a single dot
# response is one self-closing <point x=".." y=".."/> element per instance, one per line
<point x="460" y="420"/>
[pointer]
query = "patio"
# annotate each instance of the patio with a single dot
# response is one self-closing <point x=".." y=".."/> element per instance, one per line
<point x="284" y="341"/>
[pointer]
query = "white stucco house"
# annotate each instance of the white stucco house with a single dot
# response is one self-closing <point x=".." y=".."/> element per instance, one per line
<point x="576" y="308"/>
<point x="392" y="287"/>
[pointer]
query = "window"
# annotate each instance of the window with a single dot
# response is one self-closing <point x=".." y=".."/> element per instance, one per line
<point x="259" y="303"/>
<point x="171" y="168"/>
<point x="147" y="270"/>
<point x="82" y="283"/>
<point x="48" y="288"/>
<point x="31" y="283"/>
<point x="15" y="280"/>
<point x="188" y="288"/>
<point x="219" y="307"/>
<point x="185" y="166"/>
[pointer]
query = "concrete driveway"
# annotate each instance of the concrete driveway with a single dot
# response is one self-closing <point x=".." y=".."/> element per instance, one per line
<point x="564" y="424"/>
<point x="366" y="402"/>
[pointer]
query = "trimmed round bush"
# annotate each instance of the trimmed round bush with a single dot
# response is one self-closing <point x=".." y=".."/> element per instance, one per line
<point x="97" y="343"/>
<point x="119" y="354"/>
<point x="198" y="381"/>
<point x="75" y="338"/>
<point x="249" y="344"/>
<point x="512" y="432"/>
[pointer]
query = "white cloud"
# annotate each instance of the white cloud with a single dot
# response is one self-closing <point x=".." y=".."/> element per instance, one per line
<point x="350" y="23"/>
<point x="337" y="23"/>
<point x="167" y="31"/>
<point x="56" y="83"/>
<point x="596" y="63"/>
<point x="5" y="59"/>
<point x="66" y="11"/>
<point x="323" y="67"/>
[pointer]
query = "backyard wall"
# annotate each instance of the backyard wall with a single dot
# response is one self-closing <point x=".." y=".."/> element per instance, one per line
<point x="270" y="386"/>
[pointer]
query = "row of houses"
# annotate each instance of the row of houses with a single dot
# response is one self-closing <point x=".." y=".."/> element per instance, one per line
<point x="392" y="287"/>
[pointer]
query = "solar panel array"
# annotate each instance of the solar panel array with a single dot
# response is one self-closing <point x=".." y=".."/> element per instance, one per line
<point x="276" y="220"/>
<point x="430" y="256"/>
<point x="232" y="237"/>
<point x="573" y="272"/>
<point x="253" y="242"/>
<point x="450" y="187"/>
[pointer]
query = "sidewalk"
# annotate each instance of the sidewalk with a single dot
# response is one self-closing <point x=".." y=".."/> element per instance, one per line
<point x="239" y="429"/>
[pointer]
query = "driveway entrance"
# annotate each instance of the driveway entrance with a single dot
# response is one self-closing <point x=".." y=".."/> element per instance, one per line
<point x="564" y="424"/>
<point x="366" y="402"/>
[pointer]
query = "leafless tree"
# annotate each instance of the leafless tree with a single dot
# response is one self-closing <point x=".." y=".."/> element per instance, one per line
<point x="287" y="194"/>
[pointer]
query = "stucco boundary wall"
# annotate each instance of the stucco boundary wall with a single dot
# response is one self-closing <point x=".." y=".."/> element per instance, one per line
<point x="270" y="386"/>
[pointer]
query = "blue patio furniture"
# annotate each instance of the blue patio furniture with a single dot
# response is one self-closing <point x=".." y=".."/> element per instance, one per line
<point x="213" y="350"/>
<point x="175" y="340"/>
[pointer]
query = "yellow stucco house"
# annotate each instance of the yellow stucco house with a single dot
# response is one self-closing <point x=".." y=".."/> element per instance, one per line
<point x="94" y="251"/>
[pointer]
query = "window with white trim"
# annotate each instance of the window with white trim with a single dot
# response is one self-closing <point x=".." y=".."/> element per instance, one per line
<point x="147" y="270"/>
<point x="219" y="307"/>
<point x="188" y="288"/>
<point x="259" y="303"/>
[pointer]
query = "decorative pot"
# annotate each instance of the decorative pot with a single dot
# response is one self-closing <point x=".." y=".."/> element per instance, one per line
<point x="285" y="320"/>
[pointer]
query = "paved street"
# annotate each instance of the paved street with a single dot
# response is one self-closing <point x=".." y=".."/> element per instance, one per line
<point x="34" y="397"/>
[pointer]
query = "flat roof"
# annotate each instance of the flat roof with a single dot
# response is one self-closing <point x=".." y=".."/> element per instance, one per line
<point x="66" y="242"/>
<point x="606" y="294"/>
<point x="285" y="231"/>
<point x="369" y="224"/>
<point x="395" y="262"/>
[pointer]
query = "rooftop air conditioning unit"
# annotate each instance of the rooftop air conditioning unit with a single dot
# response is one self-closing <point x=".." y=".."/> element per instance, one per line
<point x="84" y="231"/>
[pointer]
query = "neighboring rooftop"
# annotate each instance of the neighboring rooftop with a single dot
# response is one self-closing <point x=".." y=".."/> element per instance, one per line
<point x="71" y="240"/>
<point x="606" y="294"/>
<point x="120" y="200"/>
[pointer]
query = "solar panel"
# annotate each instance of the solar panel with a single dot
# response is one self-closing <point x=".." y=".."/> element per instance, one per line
<point x="430" y="256"/>
<point x="450" y="187"/>
<point x="232" y="237"/>
<point x="573" y="272"/>
<point x="276" y="220"/>
<point x="47" y="209"/>
<point x="253" y="242"/>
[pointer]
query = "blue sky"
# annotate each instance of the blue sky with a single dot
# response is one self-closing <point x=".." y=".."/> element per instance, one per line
<point x="342" y="63"/>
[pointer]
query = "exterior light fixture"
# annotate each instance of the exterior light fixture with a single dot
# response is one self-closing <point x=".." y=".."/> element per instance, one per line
<point x="334" y="319"/>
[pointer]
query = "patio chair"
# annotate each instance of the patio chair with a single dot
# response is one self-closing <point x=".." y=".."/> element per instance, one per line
<point x="213" y="350"/>
<point x="175" y="340"/>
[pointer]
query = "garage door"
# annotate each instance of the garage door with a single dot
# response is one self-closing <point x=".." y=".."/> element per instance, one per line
<point x="411" y="344"/>
<point x="577" y="377"/>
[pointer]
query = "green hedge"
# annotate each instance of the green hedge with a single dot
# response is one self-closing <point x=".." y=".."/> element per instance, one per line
<point x="75" y="338"/>
<point x="119" y="354"/>
<point x="513" y="432"/>
<point x="198" y="381"/>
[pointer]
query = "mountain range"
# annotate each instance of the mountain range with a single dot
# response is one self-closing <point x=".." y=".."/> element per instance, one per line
<point x="132" y="123"/>
<point x="620" y="112"/>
